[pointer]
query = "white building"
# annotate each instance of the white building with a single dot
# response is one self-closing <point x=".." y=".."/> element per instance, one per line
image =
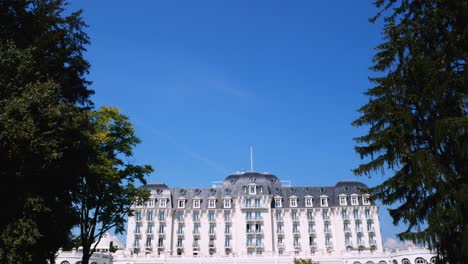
<point x="255" y="218"/>
<point x="253" y="214"/>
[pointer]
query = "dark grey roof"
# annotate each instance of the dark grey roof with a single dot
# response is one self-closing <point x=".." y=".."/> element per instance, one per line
<point x="233" y="184"/>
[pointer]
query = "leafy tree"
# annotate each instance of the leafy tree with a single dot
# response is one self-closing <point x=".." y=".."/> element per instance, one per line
<point x="43" y="96"/>
<point x="107" y="191"/>
<point x="304" y="261"/>
<point x="418" y="124"/>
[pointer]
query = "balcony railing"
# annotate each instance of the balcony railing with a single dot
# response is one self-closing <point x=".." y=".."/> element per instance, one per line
<point x="327" y="230"/>
<point x="312" y="231"/>
<point x="297" y="245"/>
<point x="259" y="245"/>
<point x="347" y="230"/>
<point x="313" y="244"/>
<point x="296" y="231"/>
<point x="358" y="229"/>
<point x="372" y="242"/>
<point x="371" y="229"/>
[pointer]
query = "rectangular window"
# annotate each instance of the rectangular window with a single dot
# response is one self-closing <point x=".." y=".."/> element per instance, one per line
<point x="137" y="229"/>
<point x="211" y="203"/>
<point x="161" y="229"/>
<point x="248" y="203"/>
<point x="293" y="202"/>
<point x="211" y="216"/>
<point x="311" y="228"/>
<point x="258" y="215"/>
<point x="354" y="200"/>
<point x="138" y="216"/>
<point x="323" y="201"/>
<point x="295" y="229"/>
<point x="181" y="203"/>
<point x="325" y="215"/>
<point x="180" y="229"/>
<point x="151" y="203"/>
<point x="308" y="202"/>
<point x="257" y="203"/>
<point x="344" y="214"/>
<point x="367" y="213"/>
<point x="227" y="203"/>
<point x="211" y="229"/>
<point x="278" y="215"/>
<point x="252" y="189"/>
<point x="196" y="216"/>
<point x="149" y="216"/>
<point x="294" y="215"/>
<point x="136" y="243"/>
<point x="356" y="213"/>
<point x="227" y="216"/>
<point x="227" y="229"/>
<point x="148" y="242"/>
<point x="149" y="229"/>
<point x="180" y="216"/>
<point x="248" y="216"/>
<point x="244" y="189"/>
<point x="162" y="203"/>
<point x="227" y="242"/>
<point x="277" y="202"/>
<point x="343" y="200"/>
<point x="310" y="215"/>
<point x="365" y="200"/>
<point x="196" y="203"/>
<point x="162" y="216"/>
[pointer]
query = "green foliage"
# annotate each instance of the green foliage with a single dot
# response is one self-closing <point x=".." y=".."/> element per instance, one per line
<point x="42" y="124"/>
<point x="418" y="124"/>
<point x="107" y="190"/>
<point x="305" y="261"/>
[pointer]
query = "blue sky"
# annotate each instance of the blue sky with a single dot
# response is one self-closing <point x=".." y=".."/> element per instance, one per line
<point x="204" y="80"/>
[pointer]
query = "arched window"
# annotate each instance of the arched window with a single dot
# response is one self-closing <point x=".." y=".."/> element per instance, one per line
<point x="405" y="261"/>
<point x="394" y="261"/>
<point x="382" y="262"/>
<point x="420" y="261"/>
<point x="369" y="262"/>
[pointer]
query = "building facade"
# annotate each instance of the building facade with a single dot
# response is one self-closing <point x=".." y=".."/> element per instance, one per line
<point x="255" y="214"/>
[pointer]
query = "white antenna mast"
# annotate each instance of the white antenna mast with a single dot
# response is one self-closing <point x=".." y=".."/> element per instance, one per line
<point x="251" y="158"/>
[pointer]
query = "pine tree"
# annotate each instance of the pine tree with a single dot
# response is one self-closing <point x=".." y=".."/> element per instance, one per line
<point x="418" y="124"/>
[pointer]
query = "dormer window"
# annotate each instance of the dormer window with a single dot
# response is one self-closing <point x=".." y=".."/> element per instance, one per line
<point x="293" y="202"/>
<point x="260" y="189"/>
<point x="278" y="202"/>
<point x="244" y="189"/>
<point x="343" y="200"/>
<point x="151" y="203"/>
<point x="252" y="189"/>
<point x="162" y="203"/>
<point x="324" y="201"/>
<point x="227" y="203"/>
<point x="365" y="200"/>
<point x="196" y="203"/>
<point x="354" y="199"/>
<point x="308" y="202"/>
<point x="211" y="203"/>
<point x="181" y="203"/>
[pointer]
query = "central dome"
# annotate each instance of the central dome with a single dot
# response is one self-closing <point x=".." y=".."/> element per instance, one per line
<point x="245" y="178"/>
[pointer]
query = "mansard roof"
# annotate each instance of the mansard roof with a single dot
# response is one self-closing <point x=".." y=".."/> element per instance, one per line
<point x="233" y="185"/>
